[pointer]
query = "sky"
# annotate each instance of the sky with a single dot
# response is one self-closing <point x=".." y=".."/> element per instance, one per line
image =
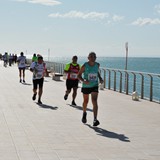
<point x="76" y="27"/>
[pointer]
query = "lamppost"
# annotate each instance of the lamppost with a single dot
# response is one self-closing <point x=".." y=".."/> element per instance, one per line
<point x="48" y="54"/>
<point x="126" y="65"/>
<point x="126" y="46"/>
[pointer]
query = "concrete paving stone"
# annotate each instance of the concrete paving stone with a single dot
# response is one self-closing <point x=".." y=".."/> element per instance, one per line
<point x="27" y="154"/>
<point x="48" y="156"/>
<point x="8" y="155"/>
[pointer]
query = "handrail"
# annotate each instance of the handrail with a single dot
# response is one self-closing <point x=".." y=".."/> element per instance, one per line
<point x="134" y="80"/>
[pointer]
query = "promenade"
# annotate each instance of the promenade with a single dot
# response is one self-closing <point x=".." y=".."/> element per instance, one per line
<point x="128" y="130"/>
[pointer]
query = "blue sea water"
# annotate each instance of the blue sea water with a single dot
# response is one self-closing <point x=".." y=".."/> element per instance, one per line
<point x="141" y="64"/>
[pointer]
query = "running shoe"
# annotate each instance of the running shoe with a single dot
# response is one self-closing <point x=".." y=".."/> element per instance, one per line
<point x="84" y="117"/>
<point x="39" y="101"/>
<point x="73" y="103"/>
<point x="23" y="81"/>
<point x="96" y="122"/>
<point x="20" y="80"/>
<point x="34" y="96"/>
<point x="65" y="97"/>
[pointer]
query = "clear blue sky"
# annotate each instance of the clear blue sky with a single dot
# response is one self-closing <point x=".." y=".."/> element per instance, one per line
<point x="69" y="27"/>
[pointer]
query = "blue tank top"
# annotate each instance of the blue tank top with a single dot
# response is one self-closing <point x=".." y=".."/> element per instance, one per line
<point x="91" y="74"/>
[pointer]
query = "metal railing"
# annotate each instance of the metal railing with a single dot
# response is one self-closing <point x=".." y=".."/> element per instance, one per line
<point x="52" y="66"/>
<point x="124" y="81"/>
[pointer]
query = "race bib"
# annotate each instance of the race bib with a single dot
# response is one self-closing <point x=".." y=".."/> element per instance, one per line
<point x="73" y="75"/>
<point x="92" y="77"/>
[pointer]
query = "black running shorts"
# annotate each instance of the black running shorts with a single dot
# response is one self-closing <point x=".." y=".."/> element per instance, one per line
<point x="89" y="90"/>
<point x="37" y="82"/>
<point x="72" y="83"/>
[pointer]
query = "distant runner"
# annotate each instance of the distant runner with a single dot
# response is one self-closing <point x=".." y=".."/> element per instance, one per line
<point x="21" y="66"/>
<point x="38" y="69"/>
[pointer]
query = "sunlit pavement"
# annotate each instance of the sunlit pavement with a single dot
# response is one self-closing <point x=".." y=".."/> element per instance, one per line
<point x="128" y="130"/>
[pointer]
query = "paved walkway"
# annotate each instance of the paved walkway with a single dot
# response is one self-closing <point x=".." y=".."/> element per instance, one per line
<point x="129" y="130"/>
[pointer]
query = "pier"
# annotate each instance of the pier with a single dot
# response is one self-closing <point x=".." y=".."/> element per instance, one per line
<point x="128" y="130"/>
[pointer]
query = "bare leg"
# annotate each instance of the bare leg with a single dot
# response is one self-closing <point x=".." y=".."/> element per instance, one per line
<point x="94" y="96"/>
<point x="67" y="93"/>
<point x="20" y="74"/>
<point x="40" y="93"/>
<point x="34" y="91"/>
<point x="23" y="74"/>
<point x="85" y="101"/>
<point x="74" y="93"/>
<point x="95" y="108"/>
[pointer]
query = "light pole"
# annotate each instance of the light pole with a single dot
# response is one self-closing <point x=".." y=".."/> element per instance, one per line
<point x="126" y="65"/>
<point x="48" y="54"/>
<point x="126" y="46"/>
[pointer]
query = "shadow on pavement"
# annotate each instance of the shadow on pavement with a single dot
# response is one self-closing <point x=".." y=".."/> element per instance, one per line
<point x="80" y="107"/>
<point x="109" y="134"/>
<point x="26" y="84"/>
<point x="47" y="106"/>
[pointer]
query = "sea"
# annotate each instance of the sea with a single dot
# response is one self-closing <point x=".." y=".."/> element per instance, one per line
<point x="141" y="64"/>
<point x="138" y="64"/>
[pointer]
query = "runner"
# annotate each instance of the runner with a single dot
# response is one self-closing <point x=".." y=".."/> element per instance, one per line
<point x="34" y="58"/>
<point x="72" y="70"/>
<point x="38" y="69"/>
<point x="90" y="71"/>
<point x="5" y="59"/>
<point x="21" y="66"/>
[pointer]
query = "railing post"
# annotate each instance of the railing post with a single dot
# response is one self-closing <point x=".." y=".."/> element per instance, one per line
<point x="120" y="82"/>
<point x="134" y="81"/>
<point x="151" y="87"/>
<point x="114" y="80"/>
<point x="142" y="86"/>
<point x="126" y="82"/>
<point x="104" y="78"/>
<point x="109" y="79"/>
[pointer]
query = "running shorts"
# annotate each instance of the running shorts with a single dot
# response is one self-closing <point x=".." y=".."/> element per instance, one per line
<point x="72" y="83"/>
<point x="37" y="82"/>
<point x="89" y="90"/>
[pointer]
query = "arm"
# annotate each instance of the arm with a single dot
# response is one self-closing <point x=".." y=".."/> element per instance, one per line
<point x="25" y="61"/>
<point x="31" y="67"/>
<point x="100" y="78"/>
<point x="99" y="75"/>
<point x="80" y="75"/>
<point x="66" y="69"/>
